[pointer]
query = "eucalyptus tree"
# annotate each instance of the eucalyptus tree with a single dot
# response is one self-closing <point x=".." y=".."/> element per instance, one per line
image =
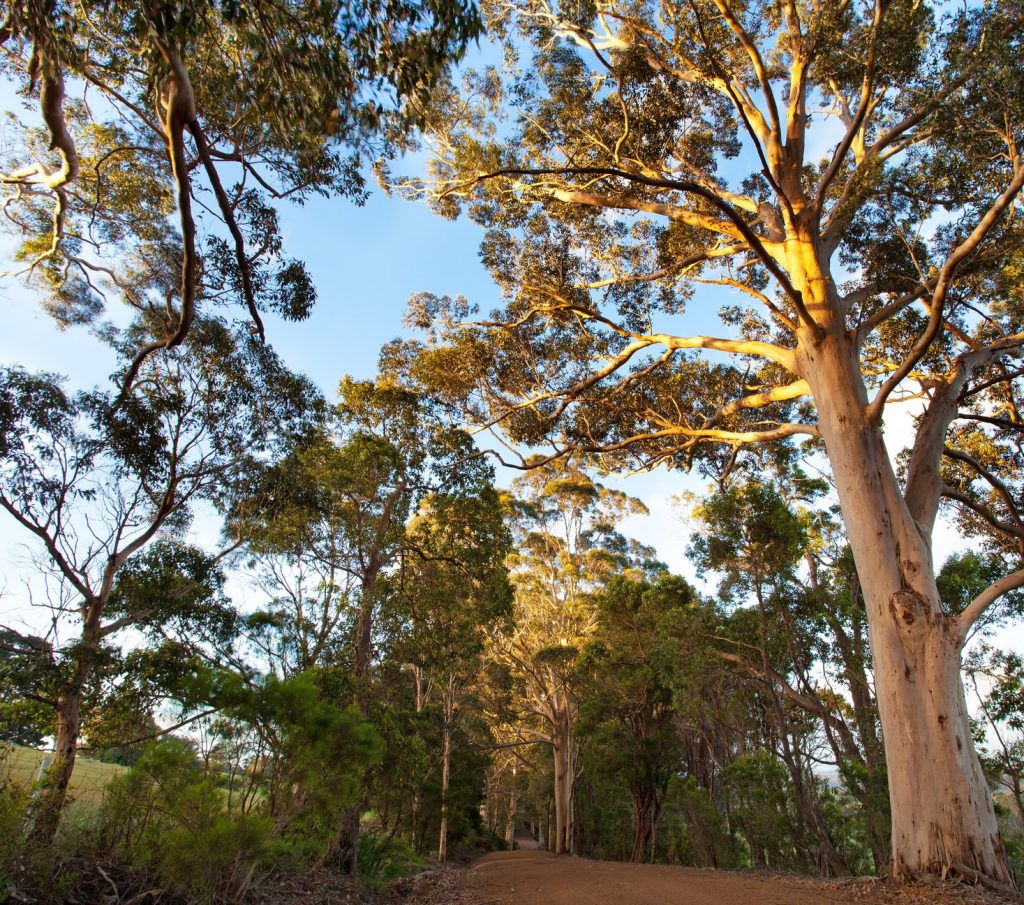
<point x="566" y="543"/>
<point x="850" y="172"/>
<point x="338" y="506"/>
<point x="629" y="697"/>
<point x="454" y="595"/>
<point x="754" y="538"/>
<point x="1002" y="708"/>
<point x="224" y="108"/>
<point x="95" y="482"/>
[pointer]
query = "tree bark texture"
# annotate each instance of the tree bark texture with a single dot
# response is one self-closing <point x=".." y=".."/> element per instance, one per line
<point x="446" y="757"/>
<point x="53" y="788"/>
<point x="645" y="808"/>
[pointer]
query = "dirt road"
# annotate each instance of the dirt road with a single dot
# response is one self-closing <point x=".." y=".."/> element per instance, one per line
<point x="538" y="878"/>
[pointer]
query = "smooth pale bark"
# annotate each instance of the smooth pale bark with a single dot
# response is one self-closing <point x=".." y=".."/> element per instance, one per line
<point x="550" y="831"/>
<point x="421" y="699"/>
<point x="564" y="757"/>
<point x="510" y="822"/>
<point x="942" y="813"/>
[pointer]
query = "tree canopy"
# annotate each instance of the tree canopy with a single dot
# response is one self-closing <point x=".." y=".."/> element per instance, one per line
<point x="215" y="113"/>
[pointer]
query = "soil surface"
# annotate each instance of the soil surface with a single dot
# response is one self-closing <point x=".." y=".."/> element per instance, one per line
<point x="538" y="878"/>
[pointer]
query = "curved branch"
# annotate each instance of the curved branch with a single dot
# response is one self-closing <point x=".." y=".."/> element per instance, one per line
<point x="756" y="61"/>
<point x="977" y="607"/>
<point x="862" y="110"/>
<point x="997" y="485"/>
<point x="742" y="228"/>
<point x="224" y="203"/>
<point x="891" y="309"/>
<point x="180" y="112"/>
<point x="942" y="286"/>
<point x="806" y="703"/>
<point x="697" y="435"/>
<point x="758" y="400"/>
<point x="984" y="512"/>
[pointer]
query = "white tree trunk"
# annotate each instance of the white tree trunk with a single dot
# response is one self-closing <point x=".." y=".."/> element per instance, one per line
<point x="565" y="777"/>
<point x="942" y="813"/>
<point x="510" y="823"/>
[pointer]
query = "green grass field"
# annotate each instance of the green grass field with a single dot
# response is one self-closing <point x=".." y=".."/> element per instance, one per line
<point x="87" y="781"/>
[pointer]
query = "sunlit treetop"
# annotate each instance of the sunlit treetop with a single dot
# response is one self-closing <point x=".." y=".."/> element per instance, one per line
<point x="640" y="152"/>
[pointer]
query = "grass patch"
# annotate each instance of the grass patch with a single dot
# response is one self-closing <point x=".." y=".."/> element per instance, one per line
<point x="88" y="780"/>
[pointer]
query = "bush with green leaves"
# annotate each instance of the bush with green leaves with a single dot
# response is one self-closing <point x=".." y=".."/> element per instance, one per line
<point x="383" y="857"/>
<point x="166" y="816"/>
<point x="14" y="802"/>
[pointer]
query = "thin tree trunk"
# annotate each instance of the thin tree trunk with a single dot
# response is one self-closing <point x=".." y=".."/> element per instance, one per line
<point x="343" y="850"/>
<point x="510" y="823"/>
<point x="550" y="828"/>
<point x="53" y="788"/>
<point x="446" y="756"/>
<point x="417" y="794"/>
<point x="54" y="784"/>
<point x="643" y="809"/>
<point x="561" y="749"/>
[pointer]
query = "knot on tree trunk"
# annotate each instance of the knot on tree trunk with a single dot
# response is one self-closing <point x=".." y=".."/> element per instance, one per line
<point x="908" y="607"/>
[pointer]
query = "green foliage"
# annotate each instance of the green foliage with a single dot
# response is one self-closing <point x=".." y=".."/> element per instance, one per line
<point x="963" y="576"/>
<point x="14" y="802"/>
<point x="316" y="749"/>
<point x="764" y="811"/>
<point x="749" y="533"/>
<point x="698" y="836"/>
<point x="383" y="858"/>
<point x="167" y="817"/>
<point x="288" y="99"/>
<point x="24" y="722"/>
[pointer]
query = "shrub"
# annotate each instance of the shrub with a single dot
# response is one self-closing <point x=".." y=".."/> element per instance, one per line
<point x="167" y="817"/>
<point x="383" y="858"/>
<point x="13" y="807"/>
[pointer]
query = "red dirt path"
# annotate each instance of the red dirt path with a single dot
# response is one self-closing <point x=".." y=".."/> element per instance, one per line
<point x="538" y="878"/>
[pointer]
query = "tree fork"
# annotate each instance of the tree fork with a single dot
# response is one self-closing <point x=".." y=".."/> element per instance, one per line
<point x="942" y="817"/>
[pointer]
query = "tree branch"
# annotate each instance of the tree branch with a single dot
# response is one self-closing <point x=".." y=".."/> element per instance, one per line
<point x="741" y="228"/>
<point x="942" y="286"/>
<point x="976" y="608"/>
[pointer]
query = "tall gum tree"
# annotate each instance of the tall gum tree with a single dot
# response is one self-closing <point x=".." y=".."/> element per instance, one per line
<point x="97" y="487"/>
<point x="341" y="502"/>
<point x="566" y="544"/>
<point x="850" y="172"/>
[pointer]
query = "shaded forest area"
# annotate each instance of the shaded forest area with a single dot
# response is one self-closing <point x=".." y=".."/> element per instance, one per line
<point x="728" y="237"/>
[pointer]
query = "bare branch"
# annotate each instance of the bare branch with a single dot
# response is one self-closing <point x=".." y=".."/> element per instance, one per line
<point x="976" y="608"/>
<point x="942" y="284"/>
